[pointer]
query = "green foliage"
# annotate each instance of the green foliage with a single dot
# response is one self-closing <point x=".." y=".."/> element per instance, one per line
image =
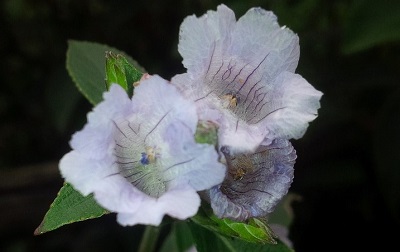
<point x="69" y="206"/>
<point x="86" y="66"/>
<point x="179" y="239"/>
<point x="254" y="230"/>
<point x="207" y="240"/>
<point x="120" y="71"/>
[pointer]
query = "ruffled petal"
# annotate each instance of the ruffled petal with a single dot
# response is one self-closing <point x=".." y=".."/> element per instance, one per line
<point x="85" y="173"/>
<point x="255" y="182"/>
<point x="116" y="102"/>
<point x="99" y="128"/>
<point x="198" y="37"/>
<point x="155" y="102"/>
<point x="196" y="164"/>
<point x="180" y="203"/>
<point x="249" y="88"/>
<point x="257" y="34"/>
<point x="240" y="136"/>
<point x="294" y="103"/>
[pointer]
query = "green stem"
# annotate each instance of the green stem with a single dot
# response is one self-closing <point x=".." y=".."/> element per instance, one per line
<point x="149" y="239"/>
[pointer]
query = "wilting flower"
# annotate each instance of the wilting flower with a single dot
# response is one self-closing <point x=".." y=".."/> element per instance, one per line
<point x="255" y="183"/>
<point x="241" y="75"/>
<point x="139" y="158"/>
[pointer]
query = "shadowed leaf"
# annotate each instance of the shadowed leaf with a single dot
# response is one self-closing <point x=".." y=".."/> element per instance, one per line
<point x="68" y="207"/>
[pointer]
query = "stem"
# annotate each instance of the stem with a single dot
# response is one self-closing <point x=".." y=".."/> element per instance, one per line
<point x="149" y="239"/>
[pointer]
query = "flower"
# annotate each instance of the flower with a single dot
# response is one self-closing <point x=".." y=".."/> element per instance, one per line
<point x="138" y="156"/>
<point x="241" y="75"/>
<point x="255" y="183"/>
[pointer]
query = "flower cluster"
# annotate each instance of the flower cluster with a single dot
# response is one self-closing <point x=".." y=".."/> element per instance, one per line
<point x="241" y="76"/>
<point x="139" y="157"/>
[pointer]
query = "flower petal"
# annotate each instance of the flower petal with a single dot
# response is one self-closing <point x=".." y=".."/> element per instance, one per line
<point x="257" y="34"/>
<point x="255" y="182"/>
<point x="139" y="158"/>
<point x="180" y="203"/>
<point x="294" y="104"/>
<point x="99" y="127"/>
<point x="84" y="173"/>
<point x="198" y="37"/>
<point x="197" y="164"/>
<point x="155" y="98"/>
<point x="248" y="87"/>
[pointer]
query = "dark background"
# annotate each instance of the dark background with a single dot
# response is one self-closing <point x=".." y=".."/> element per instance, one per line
<point x="348" y="166"/>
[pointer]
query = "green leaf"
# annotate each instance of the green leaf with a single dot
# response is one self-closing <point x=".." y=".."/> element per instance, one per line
<point x="169" y="243"/>
<point x="255" y="230"/>
<point x="184" y="238"/>
<point x="86" y="66"/>
<point x="207" y="240"/>
<point x="68" y="207"/>
<point x="115" y="72"/>
<point x="371" y="23"/>
<point x="179" y="239"/>
<point x="120" y="71"/>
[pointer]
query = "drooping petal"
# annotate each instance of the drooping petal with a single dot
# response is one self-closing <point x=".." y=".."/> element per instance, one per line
<point x="255" y="182"/>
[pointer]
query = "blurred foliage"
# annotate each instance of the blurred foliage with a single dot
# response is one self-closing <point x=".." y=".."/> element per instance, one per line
<point x="348" y="166"/>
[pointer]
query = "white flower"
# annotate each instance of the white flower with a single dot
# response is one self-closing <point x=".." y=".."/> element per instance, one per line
<point x="139" y="158"/>
<point x="255" y="183"/>
<point x="241" y="75"/>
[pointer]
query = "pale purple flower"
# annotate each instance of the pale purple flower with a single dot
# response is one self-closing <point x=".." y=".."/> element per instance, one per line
<point x="255" y="183"/>
<point x="138" y="156"/>
<point x="241" y="75"/>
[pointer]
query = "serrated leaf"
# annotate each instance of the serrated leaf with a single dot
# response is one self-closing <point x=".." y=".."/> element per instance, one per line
<point x="207" y="240"/>
<point x="68" y="207"/>
<point x="86" y="66"/>
<point x="254" y="230"/>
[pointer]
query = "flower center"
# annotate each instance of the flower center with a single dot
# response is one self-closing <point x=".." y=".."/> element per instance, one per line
<point x="150" y="156"/>
<point x="240" y="87"/>
<point x="138" y="163"/>
<point x="229" y="101"/>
